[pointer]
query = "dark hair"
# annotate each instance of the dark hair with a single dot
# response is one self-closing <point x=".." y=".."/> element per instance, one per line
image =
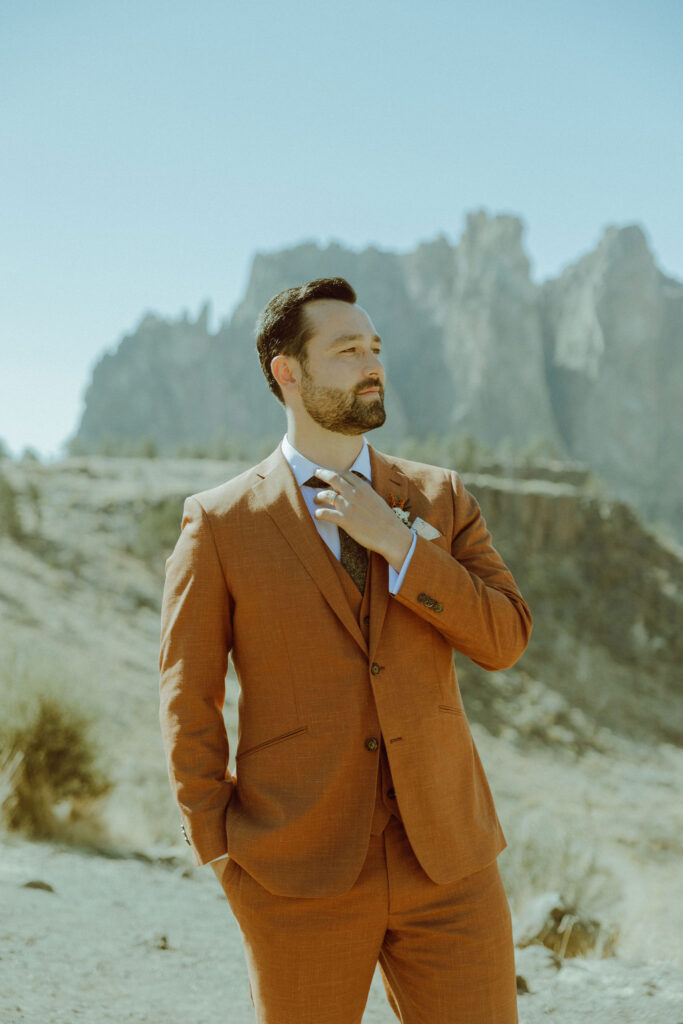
<point x="282" y="329"/>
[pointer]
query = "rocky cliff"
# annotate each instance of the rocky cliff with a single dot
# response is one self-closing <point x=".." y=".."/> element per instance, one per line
<point x="590" y="364"/>
<point x="613" y="345"/>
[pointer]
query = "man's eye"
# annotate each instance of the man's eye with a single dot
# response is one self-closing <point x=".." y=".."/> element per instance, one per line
<point x="376" y="351"/>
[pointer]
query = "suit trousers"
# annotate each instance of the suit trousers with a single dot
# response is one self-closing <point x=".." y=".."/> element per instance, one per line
<point x="445" y="952"/>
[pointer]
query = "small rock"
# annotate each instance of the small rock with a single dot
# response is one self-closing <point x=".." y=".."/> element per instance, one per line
<point x="37" y="884"/>
<point x="522" y="986"/>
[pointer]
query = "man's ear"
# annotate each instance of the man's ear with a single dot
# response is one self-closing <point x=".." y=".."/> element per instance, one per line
<point x="285" y="369"/>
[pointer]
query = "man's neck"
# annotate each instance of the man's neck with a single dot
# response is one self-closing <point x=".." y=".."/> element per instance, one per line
<point x="327" y="449"/>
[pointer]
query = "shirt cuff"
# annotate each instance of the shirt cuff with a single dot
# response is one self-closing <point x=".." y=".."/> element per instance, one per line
<point x="222" y="857"/>
<point x="396" y="578"/>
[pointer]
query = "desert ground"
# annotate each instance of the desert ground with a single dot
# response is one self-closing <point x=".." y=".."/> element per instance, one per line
<point x="107" y="919"/>
<point x="137" y="940"/>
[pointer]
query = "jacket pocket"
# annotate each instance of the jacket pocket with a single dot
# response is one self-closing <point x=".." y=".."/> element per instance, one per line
<point x="269" y="743"/>
<point x="450" y="710"/>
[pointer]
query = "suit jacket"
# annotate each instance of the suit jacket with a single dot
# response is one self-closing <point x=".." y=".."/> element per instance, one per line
<point x="249" y="576"/>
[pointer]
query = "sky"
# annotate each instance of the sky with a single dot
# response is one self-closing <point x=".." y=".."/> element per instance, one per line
<point x="148" y="149"/>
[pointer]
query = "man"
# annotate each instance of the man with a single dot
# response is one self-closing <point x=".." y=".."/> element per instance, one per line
<point x="359" y="827"/>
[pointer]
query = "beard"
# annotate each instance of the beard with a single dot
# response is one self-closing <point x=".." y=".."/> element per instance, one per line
<point x="343" y="412"/>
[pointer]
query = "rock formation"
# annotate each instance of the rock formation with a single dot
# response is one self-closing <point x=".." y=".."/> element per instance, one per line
<point x="590" y="364"/>
<point x="613" y="342"/>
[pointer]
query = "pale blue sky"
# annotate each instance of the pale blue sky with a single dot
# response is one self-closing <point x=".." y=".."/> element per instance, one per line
<point x="148" y="149"/>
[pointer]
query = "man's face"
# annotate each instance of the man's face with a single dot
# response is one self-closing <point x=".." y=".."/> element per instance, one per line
<point x="342" y="377"/>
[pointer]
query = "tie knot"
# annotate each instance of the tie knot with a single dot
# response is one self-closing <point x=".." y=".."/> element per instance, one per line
<point x="315" y="481"/>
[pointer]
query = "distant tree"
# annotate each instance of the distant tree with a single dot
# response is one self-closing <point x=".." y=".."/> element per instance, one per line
<point x="30" y="455"/>
<point x="539" y="447"/>
<point x="147" y="448"/>
<point x="76" y="446"/>
<point x="10" y="521"/>
<point x="461" y="452"/>
<point x="157" y="528"/>
<point x="467" y="454"/>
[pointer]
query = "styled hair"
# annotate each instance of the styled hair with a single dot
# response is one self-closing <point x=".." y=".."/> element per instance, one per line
<point x="282" y="327"/>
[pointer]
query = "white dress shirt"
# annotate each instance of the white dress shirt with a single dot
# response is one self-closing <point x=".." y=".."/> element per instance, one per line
<point x="303" y="470"/>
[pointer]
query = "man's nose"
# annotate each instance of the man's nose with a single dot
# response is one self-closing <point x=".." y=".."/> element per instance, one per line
<point x="373" y="366"/>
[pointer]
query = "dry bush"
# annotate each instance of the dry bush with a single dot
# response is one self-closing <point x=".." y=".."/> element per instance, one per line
<point x="547" y="853"/>
<point x="50" y="779"/>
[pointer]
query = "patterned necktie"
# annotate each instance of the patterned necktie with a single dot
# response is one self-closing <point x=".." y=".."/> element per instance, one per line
<point x="354" y="557"/>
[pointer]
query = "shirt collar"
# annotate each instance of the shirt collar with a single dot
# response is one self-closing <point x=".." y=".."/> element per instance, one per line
<point x="303" y="468"/>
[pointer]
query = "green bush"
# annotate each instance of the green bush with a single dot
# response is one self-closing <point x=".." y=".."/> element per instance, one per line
<point x="157" y="528"/>
<point x="461" y="452"/>
<point x="114" y="447"/>
<point x="30" y="454"/>
<point x="10" y="523"/>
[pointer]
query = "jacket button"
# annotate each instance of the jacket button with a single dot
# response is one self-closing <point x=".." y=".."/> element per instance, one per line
<point x="371" y="744"/>
<point x="375" y="668"/>
<point x="366" y="620"/>
<point x="430" y="602"/>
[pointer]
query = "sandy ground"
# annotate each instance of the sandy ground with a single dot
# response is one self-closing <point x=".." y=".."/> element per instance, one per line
<point x="130" y="940"/>
<point x="151" y="938"/>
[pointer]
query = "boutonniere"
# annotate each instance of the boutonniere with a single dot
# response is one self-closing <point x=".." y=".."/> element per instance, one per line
<point x="401" y="507"/>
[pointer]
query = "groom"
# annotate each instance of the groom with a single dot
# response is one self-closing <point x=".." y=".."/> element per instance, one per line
<point x="359" y="826"/>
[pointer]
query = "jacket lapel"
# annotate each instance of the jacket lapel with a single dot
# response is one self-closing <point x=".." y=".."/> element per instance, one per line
<point x="387" y="478"/>
<point x="278" y="492"/>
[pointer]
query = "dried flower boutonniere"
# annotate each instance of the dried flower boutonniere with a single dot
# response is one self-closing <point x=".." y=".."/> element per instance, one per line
<point x="401" y="507"/>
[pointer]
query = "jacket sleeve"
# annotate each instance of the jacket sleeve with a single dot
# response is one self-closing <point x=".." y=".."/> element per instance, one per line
<point x="196" y="637"/>
<point x="469" y="595"/>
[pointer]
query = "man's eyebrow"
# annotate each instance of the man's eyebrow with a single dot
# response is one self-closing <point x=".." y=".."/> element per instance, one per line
<point x="355" y="337"/>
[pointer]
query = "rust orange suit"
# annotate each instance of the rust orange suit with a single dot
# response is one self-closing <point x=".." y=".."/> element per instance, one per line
<point x="326" y="693"/>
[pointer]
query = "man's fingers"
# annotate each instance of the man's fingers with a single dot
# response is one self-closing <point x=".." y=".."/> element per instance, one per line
<point x="338" y="481"/>
<point x="330" y="497"/>
<point x="332" y="514"/>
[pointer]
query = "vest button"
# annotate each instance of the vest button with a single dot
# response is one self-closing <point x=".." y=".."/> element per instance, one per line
<point x="366" y="620"/>
<point x="391" y="793"/>
<point x="371" y="744"/>
<point x="375" y="668"/>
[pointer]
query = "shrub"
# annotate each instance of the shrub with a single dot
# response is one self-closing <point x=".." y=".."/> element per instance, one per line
<point x="50" y="780"/>
<point x="157" y="528"/>
<point x="462" y="452"/>
<point x="30" y="454"/>
<point x="10" y="523"/>
<point x="548" y="853"/>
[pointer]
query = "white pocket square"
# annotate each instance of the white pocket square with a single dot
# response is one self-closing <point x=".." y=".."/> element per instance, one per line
<point x="425" y="529"/>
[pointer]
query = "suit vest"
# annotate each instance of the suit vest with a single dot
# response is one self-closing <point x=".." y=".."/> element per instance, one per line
<point x="386" y="803"/>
